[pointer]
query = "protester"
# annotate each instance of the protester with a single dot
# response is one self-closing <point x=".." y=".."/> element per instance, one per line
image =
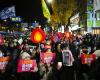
<point x="97" y="52"/>
<point x="58" y="58"/>
<point x="67" y="64"/>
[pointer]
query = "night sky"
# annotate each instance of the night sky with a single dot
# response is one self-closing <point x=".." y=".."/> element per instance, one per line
<point x="30" y="10"/>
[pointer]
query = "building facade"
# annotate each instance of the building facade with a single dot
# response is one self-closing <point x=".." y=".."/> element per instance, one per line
<point x="96" y="17"/>
<point x="89" y="15"/>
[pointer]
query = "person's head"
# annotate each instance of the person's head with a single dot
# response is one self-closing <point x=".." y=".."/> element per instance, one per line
<point x="98" y="45"/>
<point x="85" y="49"/>
<point x="58" y="47"/>
<point x="33" y="53"/>
<point x="65" y="47"/>
<point x="26" y="46"/>
<point x="6" y="44"/>
<point x="47" y="48"/>
<point x="11" y="44"/>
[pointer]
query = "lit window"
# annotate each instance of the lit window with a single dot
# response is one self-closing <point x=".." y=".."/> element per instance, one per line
<point x="98" y="15"/>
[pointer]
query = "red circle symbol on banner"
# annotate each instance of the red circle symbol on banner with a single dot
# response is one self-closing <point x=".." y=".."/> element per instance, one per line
<point x="38" y="35"/>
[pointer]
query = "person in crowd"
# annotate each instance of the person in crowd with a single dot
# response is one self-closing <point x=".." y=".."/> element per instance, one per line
<point x="95" y="70"/>
<point x="26" y="48"/>
<point x="75" y="49"/>
<point x="12" y="64"/>
<point x="97" y="52"/>
<point x="86" y="62"/>
<point x="36" y="56"/>
<point x="95" y="66"/>
<point x="28" y="75"/>
<point x="46" y="62"/>
<point x="67" y="63"/>
<point x="58" y="58"/>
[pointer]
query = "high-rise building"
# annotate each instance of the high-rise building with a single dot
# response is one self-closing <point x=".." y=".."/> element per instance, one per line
<point x="96" y="21"/>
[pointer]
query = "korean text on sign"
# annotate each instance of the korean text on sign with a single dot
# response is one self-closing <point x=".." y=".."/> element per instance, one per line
<point x="26" y="65"/>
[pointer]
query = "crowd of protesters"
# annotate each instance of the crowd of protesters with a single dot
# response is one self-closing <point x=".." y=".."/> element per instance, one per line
<point x="59" y="68"/>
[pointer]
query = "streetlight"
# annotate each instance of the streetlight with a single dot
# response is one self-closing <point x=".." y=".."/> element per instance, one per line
<point x="49" y="1"/>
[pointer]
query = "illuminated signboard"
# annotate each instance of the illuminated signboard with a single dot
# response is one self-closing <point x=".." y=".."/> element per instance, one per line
<point x="8" y="12"/>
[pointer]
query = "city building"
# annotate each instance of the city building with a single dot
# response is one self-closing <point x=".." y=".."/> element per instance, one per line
<point x="96" y="21"/>
<point x="78" y="20"/>
<point x="89" y="16"/>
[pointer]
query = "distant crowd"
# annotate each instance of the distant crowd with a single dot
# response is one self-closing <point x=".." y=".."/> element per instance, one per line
<point x="58" y="57"/>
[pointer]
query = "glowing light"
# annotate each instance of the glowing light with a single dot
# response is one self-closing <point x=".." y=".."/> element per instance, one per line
<point x="38" y="36"/>
<point x="49" y="1"/>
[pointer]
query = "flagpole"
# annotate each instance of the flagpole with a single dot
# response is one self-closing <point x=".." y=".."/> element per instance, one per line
<point x="40" y="43"/>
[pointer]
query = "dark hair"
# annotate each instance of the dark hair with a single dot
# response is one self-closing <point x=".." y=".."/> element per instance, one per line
<point x="85" y="49"/>
<point x="98" y="45"/>
<point x="63" y="46"/>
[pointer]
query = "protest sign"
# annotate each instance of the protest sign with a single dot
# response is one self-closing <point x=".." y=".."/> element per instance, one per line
<point x="47" y="57"/>
<point x="26" y="65"/>
<point x="3" y="62"/>
<point x="87" y="58"/>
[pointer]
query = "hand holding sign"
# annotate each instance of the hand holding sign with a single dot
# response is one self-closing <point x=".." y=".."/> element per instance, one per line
<point x="35" y="69"/>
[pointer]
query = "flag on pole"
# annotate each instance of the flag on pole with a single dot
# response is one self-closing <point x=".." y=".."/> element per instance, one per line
<point x="46" y="12"/>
